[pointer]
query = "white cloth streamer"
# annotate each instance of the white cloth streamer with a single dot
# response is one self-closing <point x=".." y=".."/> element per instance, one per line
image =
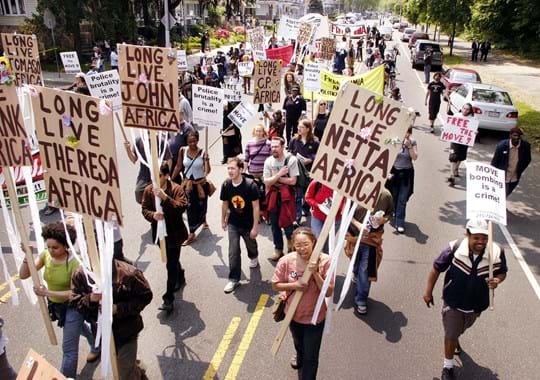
<point x="9" y="280"/>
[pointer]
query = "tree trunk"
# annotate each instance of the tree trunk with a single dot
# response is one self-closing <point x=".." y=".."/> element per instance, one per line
<point x="145" y="13"/>
<point x="435" y="33"/>
<point x="453" y="36"/>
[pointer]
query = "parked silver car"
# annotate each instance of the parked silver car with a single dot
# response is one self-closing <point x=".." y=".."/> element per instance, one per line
<point x="492" y="105"/>
<point x="407" y="33"/>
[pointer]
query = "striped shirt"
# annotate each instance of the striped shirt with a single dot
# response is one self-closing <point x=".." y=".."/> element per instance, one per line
<point x="255" y="154"/>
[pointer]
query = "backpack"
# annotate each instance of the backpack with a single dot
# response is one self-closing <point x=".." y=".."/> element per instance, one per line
<point x="303" y="179"/>
<point x="261" y="190"/>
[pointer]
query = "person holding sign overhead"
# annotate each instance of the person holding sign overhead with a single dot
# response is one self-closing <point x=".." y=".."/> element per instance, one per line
<point x="458" y="152"/>
<point x="59" y="264"/>
<point x="287" y="279"/>
<point x="466" y="285"/>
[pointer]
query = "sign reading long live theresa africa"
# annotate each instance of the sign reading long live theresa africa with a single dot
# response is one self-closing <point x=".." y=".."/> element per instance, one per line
<point x="149" y="78"/>
<point x="78" y="153"/>
<point x="360" y="143"/>
<point x="14" y="144"/>
<point x="486" y="195"/>
<point x="22" y="51"/>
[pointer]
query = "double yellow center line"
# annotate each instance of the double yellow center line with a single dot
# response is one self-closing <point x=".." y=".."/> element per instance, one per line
<point x="234" y="368"/>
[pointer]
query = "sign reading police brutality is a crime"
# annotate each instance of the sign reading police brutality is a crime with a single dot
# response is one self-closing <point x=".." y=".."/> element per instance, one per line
<point x="78" y="153"/>
<point x="360" y="143"/>
<point x="70" y="60"/>
<point x="149" y="83"/>
<point x="312" y="77"/>
<point x="106" y="85"/>
<point x="267" y="78"/>
<point x="486" y="195"/>
<point x="459" y="129"/>
<point x="14" y="144"/>
<point x="22" y="51"/>
<point x="207" y="106"/>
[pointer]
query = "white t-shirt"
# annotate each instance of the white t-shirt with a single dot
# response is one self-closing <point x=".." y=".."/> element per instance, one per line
<point x="114" y="58"/>
<point x="272" y="166"/>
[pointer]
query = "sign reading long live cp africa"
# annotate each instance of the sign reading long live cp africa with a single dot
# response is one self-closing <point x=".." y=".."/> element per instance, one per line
<point x="360" y="143"/>
<point x="22" y="51"/>
<point x="149" y="77"/>
<point x="78" y="154"/>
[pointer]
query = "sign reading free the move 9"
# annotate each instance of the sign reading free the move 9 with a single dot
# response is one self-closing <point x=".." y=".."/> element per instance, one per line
<point x="360" y="143"/>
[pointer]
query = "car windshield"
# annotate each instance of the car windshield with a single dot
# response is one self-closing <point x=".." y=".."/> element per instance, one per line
<point x="409" y="31"/>
<point x="491" y="96"/>
<point x="464" y="76"/>
<point x="433" y="47"/>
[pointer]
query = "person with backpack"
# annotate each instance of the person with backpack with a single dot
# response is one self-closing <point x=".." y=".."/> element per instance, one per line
<point x="466" y="285"/>
<point x="280" y="175"/>
<point x="240" y="217"/>
<point x="303" y="146"/>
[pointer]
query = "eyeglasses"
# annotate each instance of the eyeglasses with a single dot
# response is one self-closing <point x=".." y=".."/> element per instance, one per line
<point x="322" y="104"/>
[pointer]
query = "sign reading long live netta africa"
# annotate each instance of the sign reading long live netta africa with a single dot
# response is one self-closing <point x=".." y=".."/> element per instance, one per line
<point x="360" y="143"/>
<point x="14" y="144"/>
<point x="78" y="153"/>
<point x="149" y="77"/>
<point x="22" y="51"/>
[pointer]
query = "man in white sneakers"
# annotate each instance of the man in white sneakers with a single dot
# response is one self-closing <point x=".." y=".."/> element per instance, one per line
<point x="240" y="216"/>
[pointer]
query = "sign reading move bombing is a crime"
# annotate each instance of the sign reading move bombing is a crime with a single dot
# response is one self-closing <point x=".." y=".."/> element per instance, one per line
<point x="486" y="195"/>
<point x="14" y="144"/>
<point x="149" y="78"/>
<point x="360" y="143"/>
<point x="78" y="153"/>
<point x="22" y="51"/>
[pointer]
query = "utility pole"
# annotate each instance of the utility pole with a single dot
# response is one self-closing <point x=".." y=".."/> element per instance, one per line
<point x="167" y="24"/>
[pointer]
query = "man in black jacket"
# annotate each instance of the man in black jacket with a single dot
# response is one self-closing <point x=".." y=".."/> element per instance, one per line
<point x="512" y="155"/>
<point x="466" y="285"/>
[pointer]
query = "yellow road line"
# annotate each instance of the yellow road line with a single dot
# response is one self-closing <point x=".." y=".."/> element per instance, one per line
<point x="246" y="339"/>
<point x="7" y="296"/>
<point x="222" y="349"/>
<point x="4" y="285"/>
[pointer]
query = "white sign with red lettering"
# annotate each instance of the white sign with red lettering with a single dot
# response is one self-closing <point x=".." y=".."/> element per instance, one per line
<point x="460" y="129"/>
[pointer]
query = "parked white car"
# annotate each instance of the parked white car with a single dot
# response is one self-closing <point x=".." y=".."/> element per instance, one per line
<point x="492" y="105"/>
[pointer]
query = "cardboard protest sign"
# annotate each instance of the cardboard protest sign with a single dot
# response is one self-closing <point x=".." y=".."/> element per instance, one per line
<point x="106" y="85"/>
<point x="257" y="39"/>
<point x="245" y="69"/>
<point x="284" y="53"/>
<point x="312" y="77"/>
<point x="360" y="143"/>
<point x="486" y="194"/>
<point x="328" y="48"/>
<point x="14" y="143"/>
<point x="232" y="92"/>
<point x="460" y="129"/>
<point x="305" y="33"/>
<point x="35" y="367"/>
<point x="373" y="80"/>
<point x="70" y="60"/>
<point x="241" y="114"/>
<point x="320" y="23"/>
<point x="78" y="153"/>
<point x="207" y="106"/>
<point x="22" y="51"/>
<point x="288" y="28"/>
<point x="181" y="58"/>
<point x="267" y="78"/>
<point x="149" y="84"/>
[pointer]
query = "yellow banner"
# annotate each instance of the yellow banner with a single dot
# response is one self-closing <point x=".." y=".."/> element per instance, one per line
<point x="373" y="80"/>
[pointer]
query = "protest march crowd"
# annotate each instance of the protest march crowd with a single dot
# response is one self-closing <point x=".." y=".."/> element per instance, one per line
<point x="281" y="177"/>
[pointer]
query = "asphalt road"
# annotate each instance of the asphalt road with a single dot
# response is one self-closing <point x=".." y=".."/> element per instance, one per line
<point x="398" y="339"/>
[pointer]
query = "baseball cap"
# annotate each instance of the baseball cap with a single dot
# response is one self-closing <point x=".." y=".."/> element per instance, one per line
<point x="477" y="226"/>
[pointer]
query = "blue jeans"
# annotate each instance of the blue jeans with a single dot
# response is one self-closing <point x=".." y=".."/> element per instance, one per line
<point x="316" y="227"/>
<point x="362" y="283"/>
<point x="277" y="234"/>
<point x="235" y="258"/>
<point x="74" y="327"/>
<point x="427" y="70"/>
<point x="401" y="202"/>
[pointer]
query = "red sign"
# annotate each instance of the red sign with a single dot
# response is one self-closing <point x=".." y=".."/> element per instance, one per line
<point x="284" y="53"/>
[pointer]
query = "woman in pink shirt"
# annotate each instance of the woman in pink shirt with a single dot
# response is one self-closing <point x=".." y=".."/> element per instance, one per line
<point x="287" y="279"/>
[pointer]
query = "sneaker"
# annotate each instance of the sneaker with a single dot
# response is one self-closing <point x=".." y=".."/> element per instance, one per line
<point x="254" y="263"/>
<point x="400" y="230"/>
<point x="458" y="350"/>
<point x="448" y="374"/>
<point x="278" y="253"/>
<point x="167" y="306"/>
<point x="93" y="356"/>
<point x="231" y="285"/>
<point x="361" y="309"/>
<point x="294" y="362"/>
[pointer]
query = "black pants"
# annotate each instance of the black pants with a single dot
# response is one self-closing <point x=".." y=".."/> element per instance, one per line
<point x="291" y="129"/>
<point x="175" y="273"/>
<point x="307" y="342"/>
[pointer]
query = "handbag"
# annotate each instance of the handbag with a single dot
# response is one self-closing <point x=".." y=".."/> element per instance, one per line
<point x="211" y="187"/>
<point x="278" y="309"/>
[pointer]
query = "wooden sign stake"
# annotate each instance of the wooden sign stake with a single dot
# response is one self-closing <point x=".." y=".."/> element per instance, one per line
<point x="154" y="148"/>
<point x="8" y="179"/>
<point x="312" y="108"/>
<point x="121" y="126"/>
<point x="490" y="263"/>
<point x="330" y="219"/>
<point x="96" y="268"/>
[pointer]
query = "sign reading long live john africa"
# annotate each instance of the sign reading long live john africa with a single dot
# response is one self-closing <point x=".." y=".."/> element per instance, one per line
<point x="360" y="143"/>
